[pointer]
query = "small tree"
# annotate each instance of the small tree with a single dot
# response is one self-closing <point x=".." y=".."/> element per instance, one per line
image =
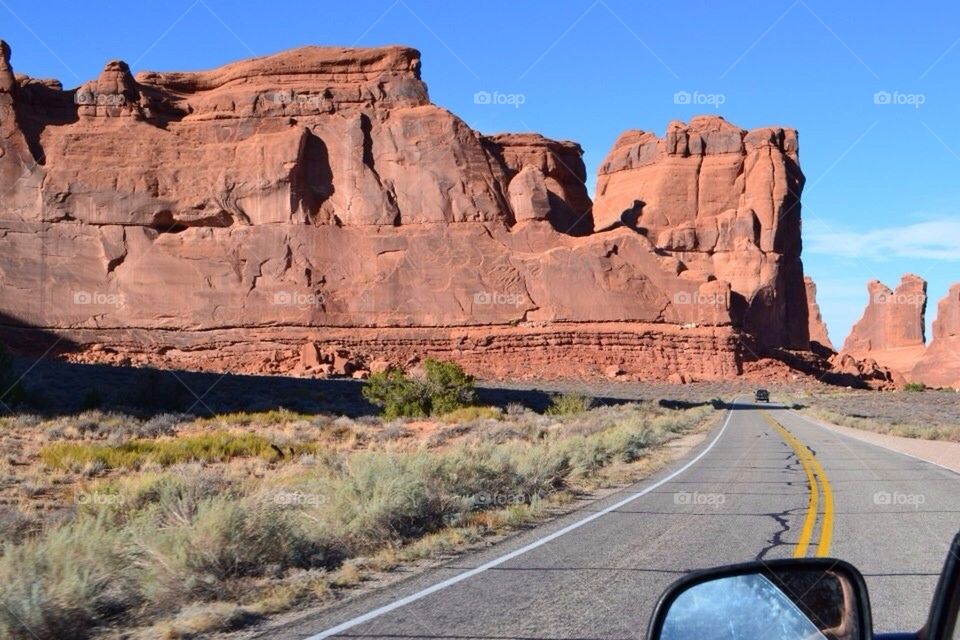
<point x="448" y="387"/>
<point x="396" y="394"/>
<point x="445" y="387"/>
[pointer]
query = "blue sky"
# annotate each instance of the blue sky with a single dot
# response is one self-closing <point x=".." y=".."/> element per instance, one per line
<point x="882" y="191"/>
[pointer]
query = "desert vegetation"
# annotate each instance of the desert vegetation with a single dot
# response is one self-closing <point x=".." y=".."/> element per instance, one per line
<point x="180" y="525"/>
<point x="930" y="415"/>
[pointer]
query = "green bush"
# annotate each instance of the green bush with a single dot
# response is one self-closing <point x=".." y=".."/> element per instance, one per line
<point x="444" y="388"/>
<point x="915" y="386"/>
<point x="447" y="386"/>
<point x="398" y="395"/>
<point x="568" y="404"/>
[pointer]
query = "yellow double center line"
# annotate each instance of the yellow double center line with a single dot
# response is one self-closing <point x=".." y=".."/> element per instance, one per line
<point x="814" y="471"/>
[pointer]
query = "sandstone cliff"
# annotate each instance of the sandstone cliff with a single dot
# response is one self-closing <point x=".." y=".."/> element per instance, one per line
<point x="940" y="364"/>
<point x="818" y="328"/>
<point x="892" y="328"/>
<point x="284" y="213"/>
<point x="724" y="201"/>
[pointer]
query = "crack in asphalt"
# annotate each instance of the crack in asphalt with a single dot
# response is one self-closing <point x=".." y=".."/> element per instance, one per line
<point x="777" y="540"/>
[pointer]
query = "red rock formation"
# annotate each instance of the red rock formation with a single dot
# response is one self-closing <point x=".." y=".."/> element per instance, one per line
<point x="892" y="328"/>
<point x="313" y="211"/>
<point x="818" y="328"/>
<point x="940" y="364"/>
<point x="726" y="202"/>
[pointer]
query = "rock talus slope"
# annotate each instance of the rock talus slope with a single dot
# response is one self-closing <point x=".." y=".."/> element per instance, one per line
<point x="299" y="211"/>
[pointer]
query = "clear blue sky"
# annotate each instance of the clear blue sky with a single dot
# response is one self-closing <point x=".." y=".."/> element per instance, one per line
<point x="882" y="191"/>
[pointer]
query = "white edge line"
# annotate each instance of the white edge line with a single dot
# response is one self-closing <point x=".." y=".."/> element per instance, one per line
<point x="449" y="582"/>
<point x="829" y="427"/>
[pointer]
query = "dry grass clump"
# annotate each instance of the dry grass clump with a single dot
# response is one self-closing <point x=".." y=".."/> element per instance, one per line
<point x="217" y="446"/>
<point x="212" y="533"/>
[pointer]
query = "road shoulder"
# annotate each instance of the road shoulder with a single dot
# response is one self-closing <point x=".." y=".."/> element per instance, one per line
<point x="939" y="452"/>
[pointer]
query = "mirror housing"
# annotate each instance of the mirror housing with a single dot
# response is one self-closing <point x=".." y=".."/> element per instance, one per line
<point x="803" y="598"/>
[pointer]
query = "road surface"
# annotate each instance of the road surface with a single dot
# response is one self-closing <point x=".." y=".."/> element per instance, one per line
<point x="744" y="494"/>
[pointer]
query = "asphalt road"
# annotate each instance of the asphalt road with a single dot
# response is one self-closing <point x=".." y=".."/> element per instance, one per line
<point x="741" y="495"/>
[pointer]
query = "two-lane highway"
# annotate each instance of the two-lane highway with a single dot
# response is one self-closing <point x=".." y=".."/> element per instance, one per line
<point x="746" y="493"/>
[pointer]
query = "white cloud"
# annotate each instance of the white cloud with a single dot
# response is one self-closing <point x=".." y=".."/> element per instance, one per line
<point x="929" y="240"/>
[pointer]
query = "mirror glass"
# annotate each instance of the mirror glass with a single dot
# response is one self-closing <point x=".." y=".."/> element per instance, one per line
<point x="795" y="604"/>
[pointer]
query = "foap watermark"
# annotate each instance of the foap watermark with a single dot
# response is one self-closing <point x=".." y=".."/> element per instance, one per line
<point x="96" y="99"/>
<point x="302" y="100"/>
<point x="299" y="499"/>
<point x="498" y="98"/>
<point x="700" y="297"/>
<point x="899" y="298"/>
<point x="697" y="499"/>
<point x="900" y="98"/>
<point x="499" y="499"/>
<point x="497" y="297"/>
<point x="99" y="499"/>
<point x="98" y="298"/>
<point x="886" y="498"/>
<point x="297" y="299"/>
<point x="699" y="98"/>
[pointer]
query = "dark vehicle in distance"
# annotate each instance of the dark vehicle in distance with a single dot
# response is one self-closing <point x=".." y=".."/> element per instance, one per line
<point x="762" y="395"/>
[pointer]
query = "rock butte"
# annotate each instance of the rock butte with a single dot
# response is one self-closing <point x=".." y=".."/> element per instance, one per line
<point x="892" y="328"/>
<point x="818" y="328"/>
<point x="312" y="212"/>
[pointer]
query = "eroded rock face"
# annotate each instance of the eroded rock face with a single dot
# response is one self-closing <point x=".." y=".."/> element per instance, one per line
<point x="891" y="330"/>
<point x="269" y="213"/>
<point x="726" y="202"/>
<point x="940" y="364"/>
<point x="818" y="328"/>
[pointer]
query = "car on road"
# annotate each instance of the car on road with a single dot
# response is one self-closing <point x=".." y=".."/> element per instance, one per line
<point x="762" y="395"/>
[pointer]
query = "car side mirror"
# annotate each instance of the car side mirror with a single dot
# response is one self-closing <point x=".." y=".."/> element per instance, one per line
<point x="796" y="599"/>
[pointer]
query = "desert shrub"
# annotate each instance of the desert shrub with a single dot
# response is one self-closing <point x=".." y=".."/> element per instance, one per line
<point x="224" y="538"/>
<point x="447" y="386"/>
<point x="168" y="540"/>
<point x="398" y="395"/>
<point x="915" y="386"/>
<point x="61" y="585"/>
<point x="566" y="404"/>
<point x="444" y="388"/>
<point x="162" y="424"/>
<point x="217" y="446"/>
<point x="380" y="497"/>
